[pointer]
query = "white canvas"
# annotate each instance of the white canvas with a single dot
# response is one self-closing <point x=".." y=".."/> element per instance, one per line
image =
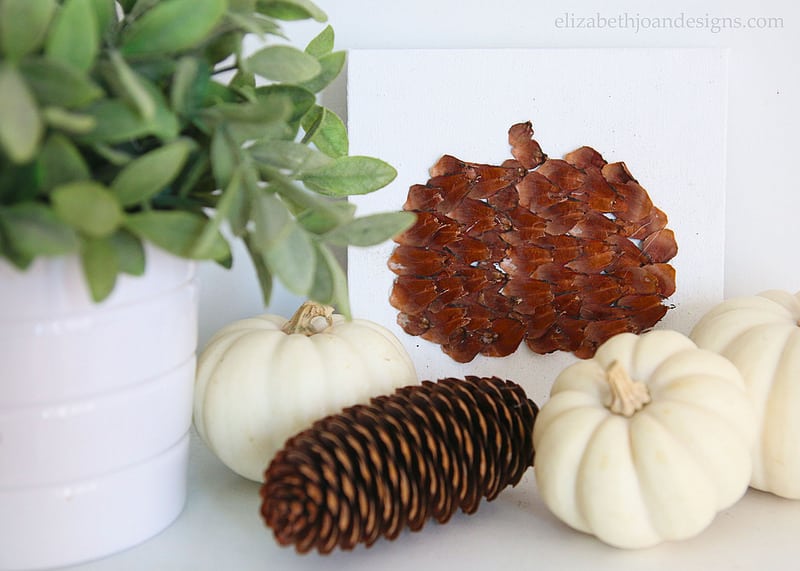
<point x="661" y="111"/>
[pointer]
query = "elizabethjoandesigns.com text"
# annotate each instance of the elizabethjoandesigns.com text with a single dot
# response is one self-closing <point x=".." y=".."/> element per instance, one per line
<point x="636" y="22"/>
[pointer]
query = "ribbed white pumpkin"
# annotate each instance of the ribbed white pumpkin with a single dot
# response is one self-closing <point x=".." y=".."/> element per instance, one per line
<point x="261" y="380"/>
<point x="645" y="442"/>
<point x="761" y="335"/>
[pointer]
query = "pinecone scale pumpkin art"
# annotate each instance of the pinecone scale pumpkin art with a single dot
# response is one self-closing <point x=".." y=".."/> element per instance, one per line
<point x="421" y="453"/>
<point x="560" y="254"/>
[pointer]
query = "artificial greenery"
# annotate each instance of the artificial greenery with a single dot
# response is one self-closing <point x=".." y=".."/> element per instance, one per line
<point x="132" y="121"/>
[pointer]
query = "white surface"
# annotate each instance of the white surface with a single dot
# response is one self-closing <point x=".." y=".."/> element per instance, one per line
<point x="220" y="528"/>
<point x="412" y="106"/>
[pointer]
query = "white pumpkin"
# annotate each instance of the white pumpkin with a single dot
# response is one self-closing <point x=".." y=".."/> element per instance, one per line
<point x="645" y="442"/>
<point x="261" y="380"/>
<point x="761" y="335"/>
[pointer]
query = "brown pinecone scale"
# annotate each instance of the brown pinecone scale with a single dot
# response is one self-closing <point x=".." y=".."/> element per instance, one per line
<point x="423" y="452"/>
<point x="560" y="254"/>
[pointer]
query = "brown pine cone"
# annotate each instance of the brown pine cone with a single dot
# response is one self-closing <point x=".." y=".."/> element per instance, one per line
<point x="562" y="254"/>
<point x="423" y="452"/>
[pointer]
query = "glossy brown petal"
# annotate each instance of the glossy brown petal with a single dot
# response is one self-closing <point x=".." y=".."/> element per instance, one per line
<point x="446" y="165"/>
<point x="661" y="246"/>
<point x="422" y="197"/>
<point x="468" y="250"/>
<point x="617" y="173"/>
<point x="536" y="192"/>
<point x="526" y="150"/>
<point x="409" y="260"/>
<point x="633" y="204"/>
<point x="475" y="216"/>
<point x="665" y="274"/>
<point x="413" y="294"/>
<point x="584" y="158"/>
<point x="503" y="338"/>
<point x="423" y="231"/>
<point x="562" y="174"/>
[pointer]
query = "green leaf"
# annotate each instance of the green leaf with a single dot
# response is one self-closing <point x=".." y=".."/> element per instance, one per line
<point x="60" y="162"/>
<point x="9" y="252"/>
<point x="105" y="14"/>
<point x="244" y="81"/>
<point x="322" y="220"/>
<point x="175" y="231"/>
<point x="321" y="45"/>
<point x="116" y="122"/>
<point x="239" y="212"/>
<point x="18" y="183"/>
<point x="172" y="26"/>
<point x="283" y="63"/>
<point x="21" y="126"/>
<point x="253" y="24"/>
<point x="263" y="110"/>
<point x="330" y="67"/>
<point x="114" y="156"/>
<point x="287" y="155"/>
<point x="301" y="99"/>
<point x="73" y="38"/>
<point x="129" y="252"/>
<point x="183" y="81"/>
<point x="23" y="25"/>
<point x="100" y="267"/>
<point x="286" y="247"/>
<point x="371" y="230"/>
<point x="88" y="206"/>
<point x="223" y="47"/>
<point x="292" y="259"/>
<point x="334" y="274"/>
<point x="151" y="173"/>
<point x="205" y="242"/>
<point x="262" y="271"/>
<point x="127" y="5"/>
<point x="56" y="83"/>
<point x="224" y="158"/>
<point x="289" y="10"/>
<point x="350" y="175"/>
<point x="35" y="230"/>
<point x="132" y="87"/>
<point x="59" y="118"/>
<point x="327" y="131"/>
<point x="243" y="6"/>
<point x="272" y="219"/>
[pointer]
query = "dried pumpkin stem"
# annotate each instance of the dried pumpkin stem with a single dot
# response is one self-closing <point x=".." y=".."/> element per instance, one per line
<point x="311" y="318"/>
<point x="627" y="396"/>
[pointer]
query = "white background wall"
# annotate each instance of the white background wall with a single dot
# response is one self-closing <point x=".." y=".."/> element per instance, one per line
<point x="764" y="97"/>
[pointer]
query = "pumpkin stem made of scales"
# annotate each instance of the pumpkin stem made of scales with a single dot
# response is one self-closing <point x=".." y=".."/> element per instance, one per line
<point x="421" y="453"/>
<point x="560" y="254"/>
<point x="627" y="396"/>
<point x="309" y="319"/>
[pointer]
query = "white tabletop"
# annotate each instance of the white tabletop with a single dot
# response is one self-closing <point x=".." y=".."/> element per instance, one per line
<point x="220" y="529"/>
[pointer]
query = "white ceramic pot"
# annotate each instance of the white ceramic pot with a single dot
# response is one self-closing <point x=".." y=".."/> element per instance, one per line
<point x="95" y="409"/>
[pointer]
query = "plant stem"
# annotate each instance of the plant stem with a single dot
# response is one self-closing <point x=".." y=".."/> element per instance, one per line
<point x="627" y="396"/>
<point x="310" y="319"/>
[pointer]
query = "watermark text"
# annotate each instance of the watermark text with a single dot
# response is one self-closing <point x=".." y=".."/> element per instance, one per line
<point x="636" y="22"/>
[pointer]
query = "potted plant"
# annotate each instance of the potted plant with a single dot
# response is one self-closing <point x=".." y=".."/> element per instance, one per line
<point x="131" y="133"/>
